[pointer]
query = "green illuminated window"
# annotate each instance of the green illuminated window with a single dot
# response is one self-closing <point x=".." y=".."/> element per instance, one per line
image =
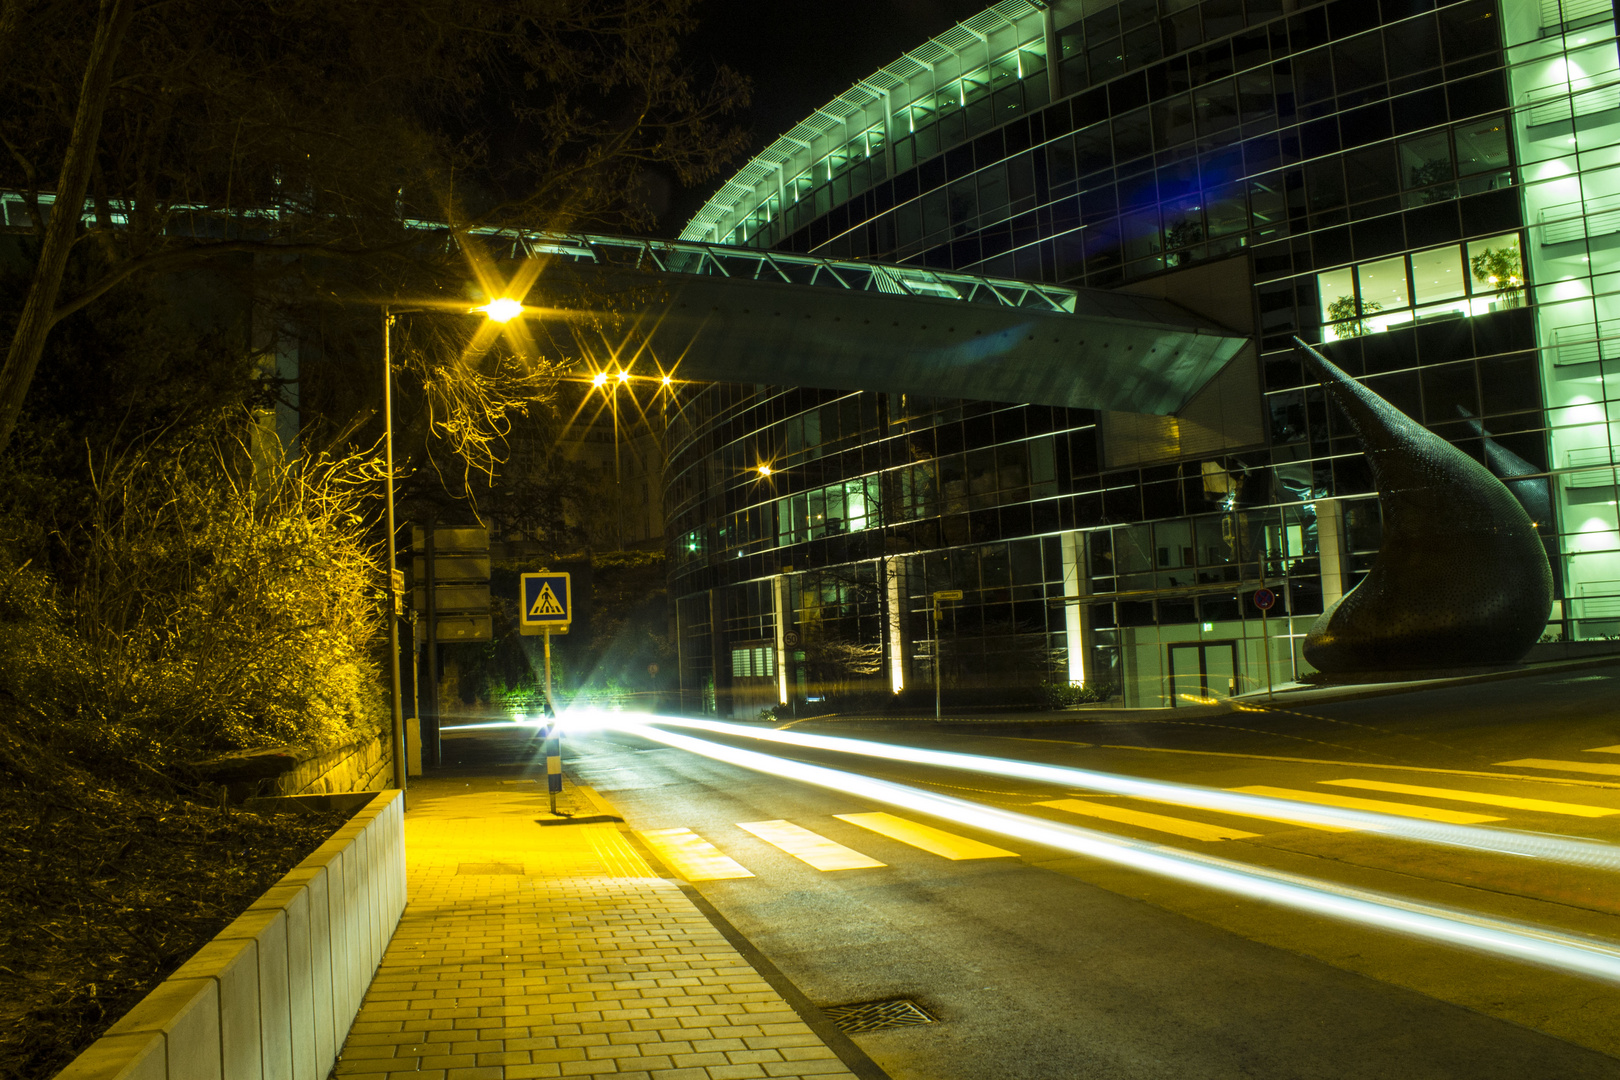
<point x="1438" y="283"/>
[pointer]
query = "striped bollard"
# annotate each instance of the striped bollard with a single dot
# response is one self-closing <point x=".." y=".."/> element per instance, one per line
<point x="554" y="765"/>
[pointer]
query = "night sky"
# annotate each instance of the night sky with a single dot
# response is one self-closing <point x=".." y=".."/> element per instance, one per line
<point x="801" y="56"/>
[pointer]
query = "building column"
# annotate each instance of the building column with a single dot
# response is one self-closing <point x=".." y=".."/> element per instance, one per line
<point x="779" y="609"/>
<point x="1054" y="53"/>
<point x="1076" y="617"/>
<point x="896" y="595"/>
<point x="719" y="655"/>
<point x="1330" y="550"/>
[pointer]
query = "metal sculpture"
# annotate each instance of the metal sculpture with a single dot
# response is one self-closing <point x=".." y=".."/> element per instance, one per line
<point x="1461" y="577"/>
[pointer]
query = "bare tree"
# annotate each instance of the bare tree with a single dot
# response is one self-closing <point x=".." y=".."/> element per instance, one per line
<point x="317" y="133"/>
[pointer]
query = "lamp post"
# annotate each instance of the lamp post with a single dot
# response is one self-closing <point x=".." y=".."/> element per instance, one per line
<point x="601" y="381"/>
<point x="501" y="310"/>
<point x="395" y="706"/>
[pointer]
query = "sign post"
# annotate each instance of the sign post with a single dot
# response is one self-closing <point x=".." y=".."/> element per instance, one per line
<point x="939" y="671"/>
<point x="450" y="589"/>
<point x="1265" y="600"/>
<point x="547" y="607"/>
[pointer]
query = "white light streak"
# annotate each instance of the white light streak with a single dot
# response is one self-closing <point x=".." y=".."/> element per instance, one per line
<point x="1498" y="937"/>
<point x="1499" y="841"/>
<point x="489" y="725"/>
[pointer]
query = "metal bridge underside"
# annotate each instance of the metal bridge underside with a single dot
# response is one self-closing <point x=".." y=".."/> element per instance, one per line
<point x="1113" y="351"/>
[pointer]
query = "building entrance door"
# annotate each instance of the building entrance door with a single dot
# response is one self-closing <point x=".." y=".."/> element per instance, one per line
<point x="1203" y="670"/>
<point x="753" y="679"/>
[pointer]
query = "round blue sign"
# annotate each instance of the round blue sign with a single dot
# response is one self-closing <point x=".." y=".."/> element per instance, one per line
<point x="1265" y="599"/>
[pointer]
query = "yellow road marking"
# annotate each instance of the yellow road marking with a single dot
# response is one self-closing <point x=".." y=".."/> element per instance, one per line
<point x="1269" y="817"/>
<point x="1377" y="806"/>
<point x="1604" y="750"/>
<point x="807" y="846"/>
<point x="691" y="856"/>
<point x="1193" y="830"/>
<point x="1603" y="768"/>
<point x="616" y="853"/>
<point x="1565" y="780"/>
<point x="1545" y="806"/>
<point x="932" y="840"/>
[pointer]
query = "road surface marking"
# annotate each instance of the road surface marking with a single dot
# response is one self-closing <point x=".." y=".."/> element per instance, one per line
<point x="1545" y="806"/>
<point x="1270" y="817"/>
<point x="691" y="856"/>
<point x="807" y="846"/>
<point x="1193" y="830"/>
<point x="1564" y="780"/>
<point x="1603" y="768"/>
<point x="932" y="840"/>
<point x="1377" y="806"/>
<point x="1603" y="750"/>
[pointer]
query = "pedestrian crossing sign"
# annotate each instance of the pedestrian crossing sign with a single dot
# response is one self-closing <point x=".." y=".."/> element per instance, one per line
<point x="546" y="601"/>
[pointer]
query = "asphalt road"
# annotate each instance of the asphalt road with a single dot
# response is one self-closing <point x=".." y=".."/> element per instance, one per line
<point x="1041" y="964"/>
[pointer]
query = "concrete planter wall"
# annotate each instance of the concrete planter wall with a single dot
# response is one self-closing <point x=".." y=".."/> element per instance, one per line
<point x="273" y="996"/>
<point x="366" y="765"/>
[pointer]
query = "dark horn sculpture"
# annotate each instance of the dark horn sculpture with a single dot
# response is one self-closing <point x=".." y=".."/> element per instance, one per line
<point x="1461" y="577"/>
<point x="1528" y="483"/>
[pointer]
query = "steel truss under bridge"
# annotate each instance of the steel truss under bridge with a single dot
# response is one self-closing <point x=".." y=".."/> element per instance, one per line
<point x="726" y="314"/>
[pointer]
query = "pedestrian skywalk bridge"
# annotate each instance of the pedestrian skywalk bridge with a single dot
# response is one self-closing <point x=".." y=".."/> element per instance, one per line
<point x="698" y="857"/>
<point x="708" y="312"/>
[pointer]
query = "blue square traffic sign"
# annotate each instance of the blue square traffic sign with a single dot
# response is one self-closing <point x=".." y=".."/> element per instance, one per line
<point x="547" y="600"/>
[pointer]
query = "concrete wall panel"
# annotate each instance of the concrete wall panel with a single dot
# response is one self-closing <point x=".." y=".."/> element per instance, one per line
<point x="121" y="1057"/>
<point x="186" y="1013"/>
<point x="300" y="988"/>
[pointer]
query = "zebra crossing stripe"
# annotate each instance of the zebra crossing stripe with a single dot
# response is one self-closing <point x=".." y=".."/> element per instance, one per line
<point x="926" y="837"/>
<point x="1376" y="806"/>
<point x="691" y="856"/>
<point x="1192" y="830"/>
<point x="1513" y="802"/>
<point x="808" y="847"/>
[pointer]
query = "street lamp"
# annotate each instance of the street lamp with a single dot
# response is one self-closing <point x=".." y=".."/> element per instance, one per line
<point x="499" y="310"/>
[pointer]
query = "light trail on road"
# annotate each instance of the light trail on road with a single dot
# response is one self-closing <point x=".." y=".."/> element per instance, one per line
<point x="1588" y="853"/>
<point x="1497" y="937"/>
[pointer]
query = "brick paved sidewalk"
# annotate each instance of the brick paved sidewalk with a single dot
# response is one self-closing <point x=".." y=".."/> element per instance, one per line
<point x="530" y="951"/>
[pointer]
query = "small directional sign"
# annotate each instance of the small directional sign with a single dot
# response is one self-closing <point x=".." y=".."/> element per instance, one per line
<point x="547" y="601"/>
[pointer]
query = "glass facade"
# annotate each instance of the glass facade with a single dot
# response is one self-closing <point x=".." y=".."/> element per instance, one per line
<point x="1430" y="190"/>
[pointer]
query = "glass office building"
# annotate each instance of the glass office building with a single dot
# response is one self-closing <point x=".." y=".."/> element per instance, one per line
<point x="1432" y="190"/>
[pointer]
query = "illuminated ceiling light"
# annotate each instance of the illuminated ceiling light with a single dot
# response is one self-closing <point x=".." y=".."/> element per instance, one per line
<point x="764" y="470"/>
<point x="502" y="310"/>
<point x="599" y="379"/>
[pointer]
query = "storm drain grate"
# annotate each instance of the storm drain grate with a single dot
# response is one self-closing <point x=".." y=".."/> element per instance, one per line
<point x="489" y="868"/>
<point x="878" y="1015"/>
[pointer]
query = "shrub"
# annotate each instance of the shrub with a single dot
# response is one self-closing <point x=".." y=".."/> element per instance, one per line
<point x="1061" y="695"/>
<point x="204" y="604"/>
